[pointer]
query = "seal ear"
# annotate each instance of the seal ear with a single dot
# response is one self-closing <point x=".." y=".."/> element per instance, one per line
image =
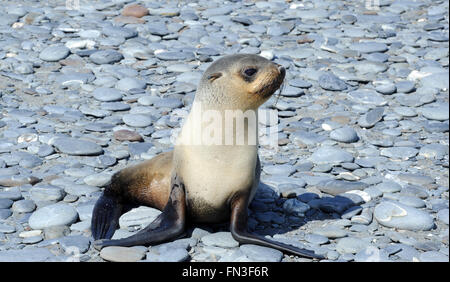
<point x="214" y="76"/>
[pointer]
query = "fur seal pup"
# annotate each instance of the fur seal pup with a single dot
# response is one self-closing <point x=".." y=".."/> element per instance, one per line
<point x="199" y="182"/>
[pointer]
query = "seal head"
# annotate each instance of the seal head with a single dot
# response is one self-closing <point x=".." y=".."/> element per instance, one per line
<point x="243" y="81"/>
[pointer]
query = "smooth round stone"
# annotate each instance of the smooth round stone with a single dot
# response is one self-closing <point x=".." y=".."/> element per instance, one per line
<point x="371" y="118"/>
<point x="80" y="190"/>
<point x="56" y="232"/>
<point x="436" y="112"/>
<point x="351" y="245"/>
<point x="330" y="155"/>
<point x="92" y="33"/>
<point x="329" y="81"/>
<point x="279" y="169"/>
<point x="169" y="255"/>
<point x="344" y="134"/>
<point x="369" y="47"/>
<point x="77" y="147"/>
<point x="5" y="228"/>
<point x="405" y="111"/>
<point x="5" y="213"/>
<point x="115" y="106"/>
<point x="411" y="201"/>
<point x="23" y="206"/>
<point x="389" y="187"/>
<point x="99" y="127"/>
<point x="405" y="86"/>
<point x="174" y="56"/>
<point x="134" y="10"/>
<point x="386" y="88"/>
<point x="351" y="212"/>
<point x="300" y="83"/>
<point x="53" y="215"/>
<point x="54" y="53"/>
<point x="295" y="207"/>
<point x="128" y="83"/>
<point x="32" y="240"/>
<point x="122" y="254"/>
<point x="331" y="232"/>
<point x="307" y="138"/>
<point x="5" y="203"/>
<point x="371" y="254"/>
<point x="141" y="216"/>
<point x="434" y="151"/>
<point x="403" y="153"/>
<point x="367" y="97"/>
<point x="24" y="68"/>
<point x="119" y="32"/>
<point x="13" y="193"/>
<point x="77" y="243"/>
<point x="179" y="68"/>
<point x="27" y="255"/>
<point x="348" y="19"/>
<point x="191" y="77"/>
<point x="261" y="254"/>
<point x="165" y="11"/>
<point x="335" y="187"/>
<point x="137" y="120"/>
<point x="127" y="135"/>
<point x="416" y="191"/>
<point x="46" y="192"/>
<point x="436" y="80"/>
<point x="443" y="215"/>
<point x="377" y="57"/>
<point x="220" y="239"/>
<point x="415" y="178"/>
<point x="105" y="94"/>
<point x="168" y="103"/>
<point x="98" y="180"/>
<point x="31" y="233"/>
<point x="316" y="239"/>
<point x="106" y="57"/>
<point x="433" y="256"/>
<point x="400" y="216"/>
<point x="292" y="92"/>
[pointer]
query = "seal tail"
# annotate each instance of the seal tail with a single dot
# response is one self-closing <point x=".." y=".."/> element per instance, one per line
<point x="105" y="217"/>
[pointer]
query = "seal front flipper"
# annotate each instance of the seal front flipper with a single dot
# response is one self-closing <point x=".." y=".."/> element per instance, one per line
<point x="238" y="228"/>
<point x="105" y="217"/>
<point x="168" y="225"/>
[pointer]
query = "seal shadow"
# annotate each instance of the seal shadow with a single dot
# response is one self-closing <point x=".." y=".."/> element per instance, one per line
<point x="267" y="216"/>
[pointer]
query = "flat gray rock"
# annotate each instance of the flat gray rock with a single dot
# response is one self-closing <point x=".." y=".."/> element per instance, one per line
<point x="344" y="134"/>
<point x="261" y="254"/>
<point x="77" y="147"/>
<point x="53" y="215"/>
<point x="220" y="239"/>
<point x="105" y="94"/>
<point x="106" y="57"/>
<point x="122" y="254"/>
<point x="54" y="53"/>
<point x="27" y="255"/>
<point x="331" y="155"/>
<point x="351" y="245"/>
<point x="400" y="216"/>
<point x="335" y="187"/>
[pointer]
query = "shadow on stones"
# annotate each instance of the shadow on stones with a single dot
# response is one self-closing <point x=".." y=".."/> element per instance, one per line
<point x="267" y="216"/>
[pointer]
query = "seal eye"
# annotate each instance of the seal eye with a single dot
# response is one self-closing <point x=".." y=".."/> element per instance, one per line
<point x="250" y="72"/>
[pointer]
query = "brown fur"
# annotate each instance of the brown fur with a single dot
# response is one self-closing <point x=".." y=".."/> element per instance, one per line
<point x="146" y="183"/>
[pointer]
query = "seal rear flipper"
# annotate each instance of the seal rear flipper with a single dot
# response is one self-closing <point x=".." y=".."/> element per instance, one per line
<point x="238" y="229"/>
<point x="105" y="217"/>
<point x="168" y="225"/>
